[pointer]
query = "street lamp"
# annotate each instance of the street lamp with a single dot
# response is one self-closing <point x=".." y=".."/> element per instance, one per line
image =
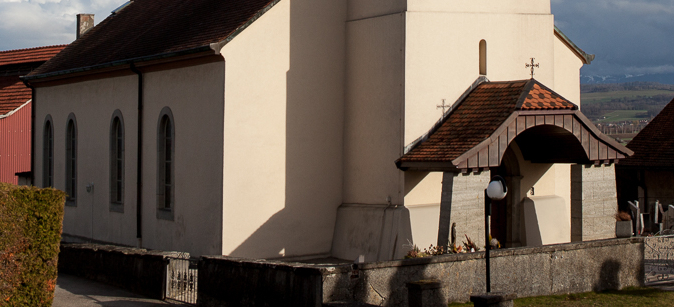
<point x="496" y="190"/>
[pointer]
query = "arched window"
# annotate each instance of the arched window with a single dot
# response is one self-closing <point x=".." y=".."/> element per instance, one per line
<point x="48" y="153"/>
<point x="483" y="57"/>
<point x="71" y="161"/>
<point x="117" y="162"/>
<point x="165" y="165"/>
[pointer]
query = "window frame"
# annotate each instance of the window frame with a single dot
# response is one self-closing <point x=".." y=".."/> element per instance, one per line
<point x="117" y="162"/>
<point x="48" y="152"/>
<point x="71" y="161"/>
<point x="165" y="179"/>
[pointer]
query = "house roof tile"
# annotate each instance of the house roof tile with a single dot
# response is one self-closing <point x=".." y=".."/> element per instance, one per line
<point x="31" y="55"/>
<point x="13" y="63"/>
<point x="147" y="28"/>
<point x="654" y="145"/>
<point x="13" y="93"/>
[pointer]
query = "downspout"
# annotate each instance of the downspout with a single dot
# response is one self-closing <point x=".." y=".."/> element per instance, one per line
<point x="139" y="160"/>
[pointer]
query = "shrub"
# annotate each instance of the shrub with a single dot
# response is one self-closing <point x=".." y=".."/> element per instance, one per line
<point x="30" y="231"/>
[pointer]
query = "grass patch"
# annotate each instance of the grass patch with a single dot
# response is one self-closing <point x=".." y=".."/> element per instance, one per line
<point x="623" y="115"/>
<point x="589" y="98"/>
<point x="646" y="297"/>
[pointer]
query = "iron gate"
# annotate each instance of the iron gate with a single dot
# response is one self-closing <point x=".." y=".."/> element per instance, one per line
<point x="658" y="259"/>
<point x="181" y="278"/>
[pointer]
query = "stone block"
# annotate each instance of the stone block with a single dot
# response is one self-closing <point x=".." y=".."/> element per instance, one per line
<point x="493" y="299"/>
<point x="593" y="174"/>
<point x="425" y="293"/>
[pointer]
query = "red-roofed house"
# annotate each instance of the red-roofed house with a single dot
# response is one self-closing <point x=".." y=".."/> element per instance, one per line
<point x="15" y="109"/>
<point x="271" y="128"/>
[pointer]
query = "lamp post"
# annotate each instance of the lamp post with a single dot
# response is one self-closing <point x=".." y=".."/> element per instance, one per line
<point x="496" y="190"/>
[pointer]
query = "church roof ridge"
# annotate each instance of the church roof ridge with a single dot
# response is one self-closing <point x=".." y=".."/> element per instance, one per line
<point x="152" y="29"/>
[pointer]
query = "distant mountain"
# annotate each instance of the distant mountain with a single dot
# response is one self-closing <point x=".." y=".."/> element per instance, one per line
<point x="597" y="79"/>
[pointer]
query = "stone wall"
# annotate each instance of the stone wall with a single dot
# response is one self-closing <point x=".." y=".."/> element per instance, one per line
<point x="462" y="203"/>
<point x="225" y="281"/>
<point x="554" y="269"/>
<point x="593" y="202"/>
<point x="134" y="269"/>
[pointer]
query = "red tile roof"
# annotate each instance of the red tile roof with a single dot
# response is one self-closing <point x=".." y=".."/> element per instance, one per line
<point x="13" y="93"/>
<point x="20" y="56"/>
<point x="476" y="117"/>
<point x="147" y="28"/>
<point x="654" y="145"/>
<point x="540" y="98"/>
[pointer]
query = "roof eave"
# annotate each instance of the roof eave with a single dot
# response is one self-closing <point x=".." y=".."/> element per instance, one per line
<point x="585" y="57"/>
<point x="122" y="64"/>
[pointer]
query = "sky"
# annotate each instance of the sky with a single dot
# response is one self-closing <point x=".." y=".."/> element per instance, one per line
<point x="627" y="36"/>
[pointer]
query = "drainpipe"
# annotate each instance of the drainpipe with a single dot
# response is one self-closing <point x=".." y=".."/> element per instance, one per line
<point x="139" y="160"/>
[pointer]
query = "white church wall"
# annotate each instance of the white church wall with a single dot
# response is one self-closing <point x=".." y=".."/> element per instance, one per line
<point x="422" y="198"/>
<point x="547" y="220"/>
<point x="360" y="9"/>
<point x="284" y="104"/>
<point x="567" y="72"/>
<point x="483" y="6"/>
<point x="194" y="95"/>
<point x="373" y="140"/>
<point x="374" y="110"/>
<point x="92" y="103"/>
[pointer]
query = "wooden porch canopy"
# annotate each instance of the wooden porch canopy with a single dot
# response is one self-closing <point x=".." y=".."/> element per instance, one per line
<point x="476" y="132"/>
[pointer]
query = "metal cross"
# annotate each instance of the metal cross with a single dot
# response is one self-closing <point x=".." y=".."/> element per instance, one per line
<point x="532" y="65"/>
<point x="443" y="106"/>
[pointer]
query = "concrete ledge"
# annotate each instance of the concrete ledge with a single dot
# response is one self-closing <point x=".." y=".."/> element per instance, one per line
<point x="226" y="281"/>
<point x="137" y="270"/>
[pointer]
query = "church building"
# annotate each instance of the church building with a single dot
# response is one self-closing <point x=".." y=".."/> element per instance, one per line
<point x="306" y="129"/>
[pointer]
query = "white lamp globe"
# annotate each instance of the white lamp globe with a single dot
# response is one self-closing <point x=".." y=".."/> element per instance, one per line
<point x="496" y="190"/>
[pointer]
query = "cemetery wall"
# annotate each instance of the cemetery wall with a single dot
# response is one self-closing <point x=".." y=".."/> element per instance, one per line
<point x="553" y="269"/>
<point x="227" y="281"/>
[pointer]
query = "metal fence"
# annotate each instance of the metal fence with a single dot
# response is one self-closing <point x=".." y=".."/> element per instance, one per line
<point x="658" y="259"/>
<point x="181" y="279"/>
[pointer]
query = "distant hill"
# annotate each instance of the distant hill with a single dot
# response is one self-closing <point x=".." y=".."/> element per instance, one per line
<point x="626" y="86"/>
<point x="597" y="79"/>
<point x="621" y="102"/>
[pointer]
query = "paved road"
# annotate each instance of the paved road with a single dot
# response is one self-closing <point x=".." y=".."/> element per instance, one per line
<point x="73" y="291"/>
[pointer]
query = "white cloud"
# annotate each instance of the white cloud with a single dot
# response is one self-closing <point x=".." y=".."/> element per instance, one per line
<point x="33" y="23"/>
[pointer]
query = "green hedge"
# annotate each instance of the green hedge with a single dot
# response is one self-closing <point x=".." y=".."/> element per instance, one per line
<point x="30" y="232"/>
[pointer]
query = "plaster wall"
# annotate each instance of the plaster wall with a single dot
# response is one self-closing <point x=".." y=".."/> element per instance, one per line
<point x="548" y="220"/>
<point x="567" y="72"/>
<point x="422" y="198"/>
<point x="361" y="9"/>
<point x="93" y="104"/>
<point x="483" y="6"/>
<point x="374" y="109"/>
<point x="373" y="126"/>
<point x="194" y="95"/>
<point x="283" y="131"/>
